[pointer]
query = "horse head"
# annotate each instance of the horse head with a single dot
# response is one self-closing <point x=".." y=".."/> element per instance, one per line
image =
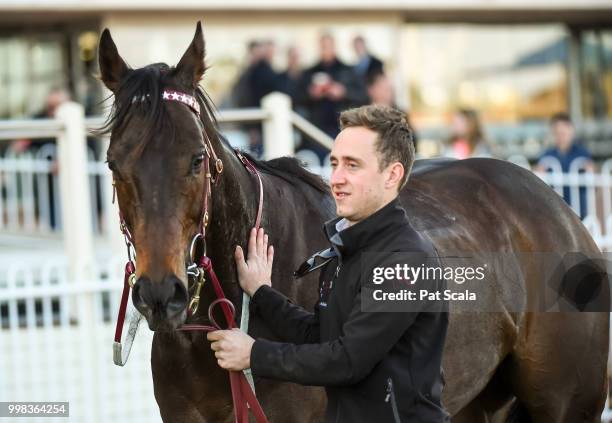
<point x="158" y="155"/>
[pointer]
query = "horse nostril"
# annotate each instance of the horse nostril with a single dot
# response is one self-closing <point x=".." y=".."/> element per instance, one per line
<point x="179" y="299"/>
<point x="140" y="293"/>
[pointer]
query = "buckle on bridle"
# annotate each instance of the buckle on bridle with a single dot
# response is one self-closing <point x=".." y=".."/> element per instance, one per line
<point x="132" y="280"/>
<point x="193" y="248"/>
<point x="195" y="301"/>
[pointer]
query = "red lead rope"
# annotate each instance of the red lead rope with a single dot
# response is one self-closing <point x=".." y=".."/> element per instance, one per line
<point x="242" y="395"/>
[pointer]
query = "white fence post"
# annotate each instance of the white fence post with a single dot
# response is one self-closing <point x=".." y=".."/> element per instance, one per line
<point x="277" y="129"/>
<point x="78" y="238"/>
<point x="74" y="189"/>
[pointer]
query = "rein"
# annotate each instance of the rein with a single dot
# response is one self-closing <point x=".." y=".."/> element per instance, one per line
<point x="242" y="387"/>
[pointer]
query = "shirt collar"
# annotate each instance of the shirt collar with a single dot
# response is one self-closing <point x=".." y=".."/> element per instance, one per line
<point x="348" y="240"/>
<point x="342" y="224"/>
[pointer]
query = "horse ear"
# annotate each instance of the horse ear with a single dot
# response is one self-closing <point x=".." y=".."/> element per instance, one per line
<point x="112" y="66"/>
<point x="190" y="68"/>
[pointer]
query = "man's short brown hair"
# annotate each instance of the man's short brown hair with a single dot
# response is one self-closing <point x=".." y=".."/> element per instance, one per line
<point x="394" y="142"/>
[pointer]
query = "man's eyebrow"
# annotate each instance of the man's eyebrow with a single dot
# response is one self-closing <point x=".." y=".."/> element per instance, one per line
<point x="347" y="158"/>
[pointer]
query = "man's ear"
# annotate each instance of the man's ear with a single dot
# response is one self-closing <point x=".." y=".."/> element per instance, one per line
<point x="190" y="68"/>
<point x="395" y="175"/>
<point x="112" y="66"/>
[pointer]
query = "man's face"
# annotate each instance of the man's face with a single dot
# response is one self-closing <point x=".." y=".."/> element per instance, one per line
<point x="359" y="46"/>
<point x="328" y="49"/>
<point x="381" y="91"/>
<point x="563" y="134"/>
<point x="356" y="181"/>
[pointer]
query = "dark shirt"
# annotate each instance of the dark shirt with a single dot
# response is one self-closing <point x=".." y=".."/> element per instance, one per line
<point x="264" y="80"/>
<point x="565" y="159"/>
<point x="257" y="81"/>
<point x="368" y="66"/>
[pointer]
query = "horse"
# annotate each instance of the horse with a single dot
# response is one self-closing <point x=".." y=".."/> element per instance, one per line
<point x="504" y="366"/>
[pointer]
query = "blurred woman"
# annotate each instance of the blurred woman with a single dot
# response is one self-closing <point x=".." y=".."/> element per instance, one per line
<point x="467" y="138"/>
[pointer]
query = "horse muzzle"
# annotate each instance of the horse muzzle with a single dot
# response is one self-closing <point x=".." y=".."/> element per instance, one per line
<point x="163" y="304"/>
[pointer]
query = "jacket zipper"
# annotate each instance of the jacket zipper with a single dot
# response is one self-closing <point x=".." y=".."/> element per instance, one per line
<point x="391" y="396"/>
<point x="331" y="283"/>
<point x="329" y="288"/>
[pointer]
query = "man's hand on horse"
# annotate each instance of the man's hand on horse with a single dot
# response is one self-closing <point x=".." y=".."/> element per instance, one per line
<point x="257" y="269"/>
<point x="232" y="348"/>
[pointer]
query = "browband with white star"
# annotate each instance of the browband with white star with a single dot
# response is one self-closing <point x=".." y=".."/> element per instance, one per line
<point x="183" y="98"/>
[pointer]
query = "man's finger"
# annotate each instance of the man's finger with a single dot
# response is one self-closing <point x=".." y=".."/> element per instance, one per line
<point x="252" y="242"/>
<point x="215" y="336"/>
<point x="239" y="258"/>
<point x="270" y="255"/>
<point x="260" y="240"/>
<point x="264" y="249"/>
<point x="215" y="346"/>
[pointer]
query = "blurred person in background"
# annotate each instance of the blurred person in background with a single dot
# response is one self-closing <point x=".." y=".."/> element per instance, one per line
<point x="367" y="65"/>
<point x="256" y="81"/>
<point x="566" y="149"/>
<point x="381" y="92"/>
<point x="55" y="98"/>
<point x="292" y="75"/>
<point x="326" y="89"/>
<point x="242" y="95"/>
<point x="264" y="79"/>
<point x="43" y="149"/>
<point x="467" y="139"/>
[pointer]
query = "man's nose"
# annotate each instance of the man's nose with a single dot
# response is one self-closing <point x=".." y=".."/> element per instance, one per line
<point x="337" y="176"/>
<point x="167" y="298"/>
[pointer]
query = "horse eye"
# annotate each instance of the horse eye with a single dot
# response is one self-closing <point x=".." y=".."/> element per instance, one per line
<point x="112" y="166"/>
<point x="196" y="163"/>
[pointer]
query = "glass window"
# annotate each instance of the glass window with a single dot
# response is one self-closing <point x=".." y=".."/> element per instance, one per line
<point x="511" y="74"/>
<point x="596" y="74"/>
<point x="31" y="66"/>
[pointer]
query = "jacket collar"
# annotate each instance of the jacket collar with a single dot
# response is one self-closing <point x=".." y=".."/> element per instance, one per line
<point x="367" y="231"/>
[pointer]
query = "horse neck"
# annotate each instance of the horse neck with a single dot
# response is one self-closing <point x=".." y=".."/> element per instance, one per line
<point x="233" y="210"/>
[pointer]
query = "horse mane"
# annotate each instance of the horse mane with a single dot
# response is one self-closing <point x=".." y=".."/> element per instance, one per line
<point x="291" y="170"/>
<point x="141" y="92"/>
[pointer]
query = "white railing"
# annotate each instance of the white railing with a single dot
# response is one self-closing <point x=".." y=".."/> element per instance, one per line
<point x="56" y="336"/>
<point x="589" y="194"/>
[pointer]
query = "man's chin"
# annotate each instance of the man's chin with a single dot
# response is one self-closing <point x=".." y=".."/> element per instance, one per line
<point x="345" y="212"/>
<point x="341" y="211"/>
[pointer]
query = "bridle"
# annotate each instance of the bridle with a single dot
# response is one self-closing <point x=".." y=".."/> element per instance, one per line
<point x="242" y="387"/>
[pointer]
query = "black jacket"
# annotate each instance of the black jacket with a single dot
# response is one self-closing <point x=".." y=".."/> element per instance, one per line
<point x="376" y="366"/>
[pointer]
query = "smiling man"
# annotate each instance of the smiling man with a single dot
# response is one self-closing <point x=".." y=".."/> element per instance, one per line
<point x="378" y="366"/>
